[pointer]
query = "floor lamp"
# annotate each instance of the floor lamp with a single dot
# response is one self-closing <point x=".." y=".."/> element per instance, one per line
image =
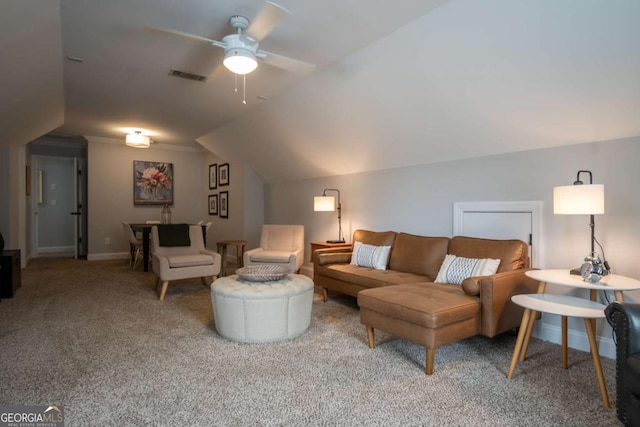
<point x="581" y="199"/>
<point x="326" y="203"/>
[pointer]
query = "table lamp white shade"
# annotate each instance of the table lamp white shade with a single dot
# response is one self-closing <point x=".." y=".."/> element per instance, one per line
<point x="585" y="199"/>
<point x="324" y="203"/>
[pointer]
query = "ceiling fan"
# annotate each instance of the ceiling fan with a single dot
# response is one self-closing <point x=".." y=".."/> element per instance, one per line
<point x="241" y="49"/>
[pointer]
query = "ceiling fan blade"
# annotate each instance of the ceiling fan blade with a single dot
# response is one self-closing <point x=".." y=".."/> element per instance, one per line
<point x="266" y="21"/>
<point x="185" y="35"/>
<point x="219" y="72"/>
<point x="289" y="64"/>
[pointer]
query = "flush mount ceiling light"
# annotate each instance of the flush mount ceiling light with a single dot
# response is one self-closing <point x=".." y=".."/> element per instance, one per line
<point x="137" y="140"/>
<point x="240" y="61"/>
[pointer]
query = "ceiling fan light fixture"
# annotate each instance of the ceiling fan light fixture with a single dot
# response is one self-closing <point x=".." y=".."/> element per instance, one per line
<point x="240" y="61"/>
<point x="137" y="140"/>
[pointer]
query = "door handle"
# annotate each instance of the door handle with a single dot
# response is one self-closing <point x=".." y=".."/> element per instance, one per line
<point x="76" y="213"/>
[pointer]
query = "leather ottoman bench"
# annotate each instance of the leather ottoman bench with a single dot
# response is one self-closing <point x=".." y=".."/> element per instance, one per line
<point x="420" y="314"/>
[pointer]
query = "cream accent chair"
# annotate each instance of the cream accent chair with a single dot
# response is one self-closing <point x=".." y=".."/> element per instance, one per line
<point x="183" y="262"/>
<point x="279" y="244"/>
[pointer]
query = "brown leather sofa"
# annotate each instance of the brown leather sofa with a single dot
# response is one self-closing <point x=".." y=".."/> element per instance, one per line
<point x="404" y="301"/>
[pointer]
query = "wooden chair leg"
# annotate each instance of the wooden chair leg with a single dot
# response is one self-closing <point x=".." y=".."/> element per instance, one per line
<point x="325" y="295"/>
<point x="204" y="281"/>
<point x="165" y="285"/>
<point x="428" y="366"/>
<point x="372" y="343"/>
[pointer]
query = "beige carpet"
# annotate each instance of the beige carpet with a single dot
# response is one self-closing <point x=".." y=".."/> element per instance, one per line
<point x="93" y="337"/>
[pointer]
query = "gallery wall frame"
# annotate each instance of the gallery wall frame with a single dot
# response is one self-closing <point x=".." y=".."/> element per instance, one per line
<point x="213" y="176"/>
<point x="152" y="183"/>
<point x="213" y="204"/>
<point x="224" y="204"/>
<point x="224" y="172"/>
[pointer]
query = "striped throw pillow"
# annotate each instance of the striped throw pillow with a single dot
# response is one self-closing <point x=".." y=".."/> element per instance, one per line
<point x="370" y="256"/>
<point x="455" y="269"/>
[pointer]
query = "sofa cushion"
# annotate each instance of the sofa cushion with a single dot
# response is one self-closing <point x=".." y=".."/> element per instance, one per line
<point x="513" y="254"/>
<point x="193" y="260"/>
<point x="418" y="254"/>
<point x="455" y="269"/>
<point x="420" y="304"/>
<point x="376" y="238"/>
<point x="369" y="277"/>
<point x="370" y="256"/>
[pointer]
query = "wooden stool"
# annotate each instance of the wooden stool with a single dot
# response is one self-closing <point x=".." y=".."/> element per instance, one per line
<point x="222" y="250"/>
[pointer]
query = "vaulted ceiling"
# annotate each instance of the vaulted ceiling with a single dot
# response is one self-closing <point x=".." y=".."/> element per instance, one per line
<point x="396" y="84"/>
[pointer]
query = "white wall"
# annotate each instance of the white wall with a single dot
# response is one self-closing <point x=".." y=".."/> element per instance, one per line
<point x="110" y="184"/>
<point x="246" y="207"/>
<point x="419" y="200"/>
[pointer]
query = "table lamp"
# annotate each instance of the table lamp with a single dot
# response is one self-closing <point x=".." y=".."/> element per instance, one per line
<point x="326" y="203"/>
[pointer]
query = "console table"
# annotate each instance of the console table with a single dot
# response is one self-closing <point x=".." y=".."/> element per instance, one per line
<point x="567" y="306"/>
<point x="10" y="274"/>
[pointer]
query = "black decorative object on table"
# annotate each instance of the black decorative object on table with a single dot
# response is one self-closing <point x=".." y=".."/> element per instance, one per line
<point x="1" y="243"/>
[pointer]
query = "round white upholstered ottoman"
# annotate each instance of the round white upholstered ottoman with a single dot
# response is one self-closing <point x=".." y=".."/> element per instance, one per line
<point x="262" y="311"/>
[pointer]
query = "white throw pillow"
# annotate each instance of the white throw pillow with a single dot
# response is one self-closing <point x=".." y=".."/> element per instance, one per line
<point x="455" y="269"/>
<point x="370" y="256"/>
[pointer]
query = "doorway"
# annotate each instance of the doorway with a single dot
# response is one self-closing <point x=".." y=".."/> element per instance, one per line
<point x="58" y="202"/>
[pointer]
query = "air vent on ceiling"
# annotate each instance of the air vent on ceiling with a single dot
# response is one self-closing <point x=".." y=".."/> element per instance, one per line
<point x="189" y="76"/>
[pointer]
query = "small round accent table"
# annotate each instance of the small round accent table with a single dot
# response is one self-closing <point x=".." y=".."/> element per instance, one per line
<point x="258" y="312"/>
<point x="222" y="250"/>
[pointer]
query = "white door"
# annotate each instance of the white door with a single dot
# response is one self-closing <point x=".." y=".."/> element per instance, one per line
<point x="501" y="220"/>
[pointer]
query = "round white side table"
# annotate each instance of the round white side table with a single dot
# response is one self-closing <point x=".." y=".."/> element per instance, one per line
<point x="567" y="306"/>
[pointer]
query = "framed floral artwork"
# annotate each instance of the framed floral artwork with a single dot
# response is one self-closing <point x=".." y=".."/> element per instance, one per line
<point x="213" y="176"/>
<point x="224" y="204"/>
<point x="224" y="174"/>
<point x="152" y="183"/>
<point x="213" y="204"/>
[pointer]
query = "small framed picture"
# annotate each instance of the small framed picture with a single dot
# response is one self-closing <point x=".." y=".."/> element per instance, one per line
<point x="213" y="176"/>
<point x="224" y="204"/>
<point x="213" y="204"/>
<point x="224" y="174"/>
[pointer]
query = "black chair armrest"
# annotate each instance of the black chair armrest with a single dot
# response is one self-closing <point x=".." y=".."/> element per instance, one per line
<point x="624" y="318"/>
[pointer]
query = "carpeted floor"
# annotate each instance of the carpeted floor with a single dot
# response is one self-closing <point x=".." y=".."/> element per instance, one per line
<point x="93" y="338"/>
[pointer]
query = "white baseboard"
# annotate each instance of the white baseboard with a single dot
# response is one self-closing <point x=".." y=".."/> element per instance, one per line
<point x="55" y="249"/>
<point x="108" y="256"/>
<point x="575" y="339"/>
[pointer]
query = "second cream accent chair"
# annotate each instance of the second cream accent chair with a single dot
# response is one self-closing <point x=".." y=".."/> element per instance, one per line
<point x="279" y="244"/>
<point x="183" y="260"/>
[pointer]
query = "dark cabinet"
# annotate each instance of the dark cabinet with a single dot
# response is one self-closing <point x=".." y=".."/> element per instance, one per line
<point x="9" y="272"/>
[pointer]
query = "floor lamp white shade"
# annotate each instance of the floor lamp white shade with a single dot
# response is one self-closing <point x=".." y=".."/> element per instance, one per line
<point x="584" y="199"/>
<point x="324" y="203"/>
